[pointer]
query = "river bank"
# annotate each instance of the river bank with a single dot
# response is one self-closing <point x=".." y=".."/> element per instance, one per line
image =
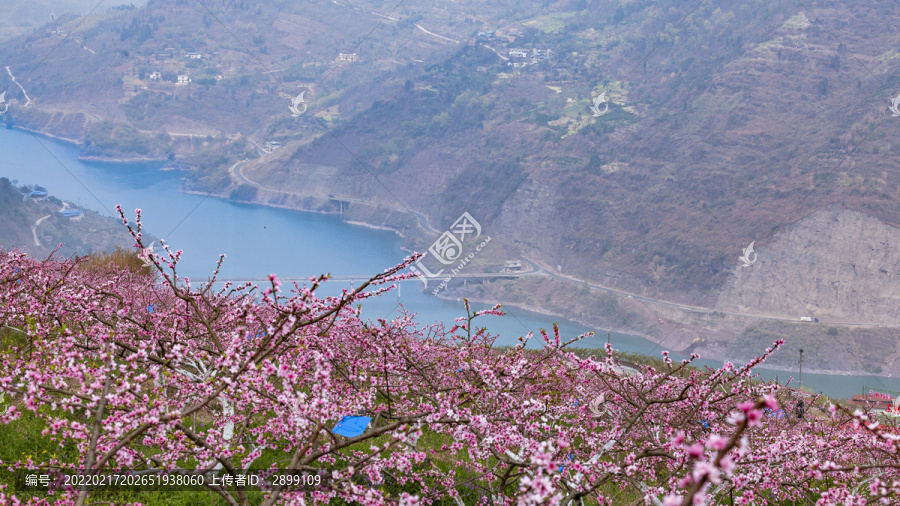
<point x="326" y="245"/>
<point x="110" y="159"/>
<point x="89" y="158"/>
<point x="679" y="330"/>
<point x="46" y="134"/>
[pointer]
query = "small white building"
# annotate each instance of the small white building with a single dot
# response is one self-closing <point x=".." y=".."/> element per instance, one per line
<point x="512" y="265"/>
<point x="348" y="57"/>
<point x="183" y="79"/>
<point x="155" y="76"/>
<point x="518" y="53"/>
<point x="193" y="56"/>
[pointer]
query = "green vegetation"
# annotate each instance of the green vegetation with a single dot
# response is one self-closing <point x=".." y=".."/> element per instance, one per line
<point x="402" y="120"/>
<point x="703" y="144"/>
<point x="115" y="261"/>
<point x="23" y="439"/>
<point x="244" y="193"/>
<point x="111" y="139"/>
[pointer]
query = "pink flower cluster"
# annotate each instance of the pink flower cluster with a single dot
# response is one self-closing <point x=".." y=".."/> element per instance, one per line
<point x="272" y="371"/>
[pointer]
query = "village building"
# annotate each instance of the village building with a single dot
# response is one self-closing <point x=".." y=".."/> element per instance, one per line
<point x="512" y="266"/>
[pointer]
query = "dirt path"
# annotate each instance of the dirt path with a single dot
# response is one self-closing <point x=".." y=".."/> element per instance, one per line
<point x="34" y="230"/>
<point x="11" y="76"/>
<point x="496" y="52"/>
<point x="420" y="27"/>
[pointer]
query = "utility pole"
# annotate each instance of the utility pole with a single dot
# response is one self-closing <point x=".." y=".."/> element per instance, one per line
<point x="800" y="405"/>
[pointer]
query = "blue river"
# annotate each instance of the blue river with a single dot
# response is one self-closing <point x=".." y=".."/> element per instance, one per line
<point x="259" y="240"/>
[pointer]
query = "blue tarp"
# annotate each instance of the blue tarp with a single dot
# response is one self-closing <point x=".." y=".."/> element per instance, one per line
<point x="352" y="426"/>
<point x="775" y="414"/>
<point x="563" y="467"/>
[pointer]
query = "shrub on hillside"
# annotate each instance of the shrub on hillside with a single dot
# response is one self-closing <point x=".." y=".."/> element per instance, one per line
<point x="112" y="262"/>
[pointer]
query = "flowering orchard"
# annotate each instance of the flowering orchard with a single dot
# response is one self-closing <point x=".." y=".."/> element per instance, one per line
<point x="184" y="376"/>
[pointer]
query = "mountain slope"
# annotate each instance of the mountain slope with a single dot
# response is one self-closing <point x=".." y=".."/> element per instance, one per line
<point x="728" y="123"/>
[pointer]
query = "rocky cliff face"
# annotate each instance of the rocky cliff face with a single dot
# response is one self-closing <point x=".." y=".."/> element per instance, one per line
<point x="836" y="265"/>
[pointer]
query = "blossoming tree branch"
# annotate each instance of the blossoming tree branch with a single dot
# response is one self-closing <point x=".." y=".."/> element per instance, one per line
<point x="122" y="366"/>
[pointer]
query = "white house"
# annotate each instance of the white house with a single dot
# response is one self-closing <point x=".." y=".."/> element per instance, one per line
<point x="182" y="79"/>
<point x="193" y="56"/>
<point x="347" y="57"/>
<point x="155" y="76"/>
<point x="512" y="265"/>
<point x="518" y="53"/>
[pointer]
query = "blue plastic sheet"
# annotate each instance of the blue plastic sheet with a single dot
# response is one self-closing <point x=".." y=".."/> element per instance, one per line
<point x="352" y="426"/>
<point x="776" y="414"/>
<point x="563" y="467"/>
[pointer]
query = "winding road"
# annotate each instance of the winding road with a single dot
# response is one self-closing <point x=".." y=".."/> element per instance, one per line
<point x="420" y="27"/>
<point x="11" y="76"/>
<point x="546" y="271"/>
<point x="34" y="230"/>
<point x="496" y="52"/>
<point x="537" y="269"/>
